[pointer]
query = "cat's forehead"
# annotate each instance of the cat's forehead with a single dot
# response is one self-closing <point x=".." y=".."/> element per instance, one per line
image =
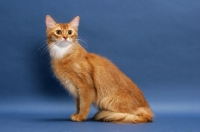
<point x="62" y="26"/>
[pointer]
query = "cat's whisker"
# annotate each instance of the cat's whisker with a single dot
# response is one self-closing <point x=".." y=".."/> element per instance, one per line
<point x="43" y="44"/>
<point x="45" y="51"/>
<point x="44" y="48"/>
<point x="82" y="42"/>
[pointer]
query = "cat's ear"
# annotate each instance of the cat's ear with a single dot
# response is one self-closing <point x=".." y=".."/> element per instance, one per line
<point x="75" y="22"/>
<point x="50" y="23"/>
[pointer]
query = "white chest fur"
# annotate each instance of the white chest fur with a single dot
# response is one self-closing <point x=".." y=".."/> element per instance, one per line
<point x="58" y="51"/>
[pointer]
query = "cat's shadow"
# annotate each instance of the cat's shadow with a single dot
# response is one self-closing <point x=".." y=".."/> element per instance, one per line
<point x="54" y="120"/>
<point x="62" y="120"/>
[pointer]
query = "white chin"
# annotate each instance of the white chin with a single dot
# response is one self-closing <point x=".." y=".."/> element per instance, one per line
<point x="63" y="44"/>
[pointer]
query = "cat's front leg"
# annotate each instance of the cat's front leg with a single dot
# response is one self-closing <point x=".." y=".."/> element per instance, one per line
<point x="83" y="103"/>
<point x="77" y="118"/>
<point x="83" y="109"/>
<point x="77" y="105"/>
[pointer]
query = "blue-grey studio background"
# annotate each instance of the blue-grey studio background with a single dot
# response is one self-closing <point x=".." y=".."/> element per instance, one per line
<point x="155" y="42"/>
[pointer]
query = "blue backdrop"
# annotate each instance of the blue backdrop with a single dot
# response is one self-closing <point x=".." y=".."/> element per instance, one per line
<point x="156" y="43"/>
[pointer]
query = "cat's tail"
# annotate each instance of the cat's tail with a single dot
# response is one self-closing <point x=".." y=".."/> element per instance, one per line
<point x="141" y="115"/>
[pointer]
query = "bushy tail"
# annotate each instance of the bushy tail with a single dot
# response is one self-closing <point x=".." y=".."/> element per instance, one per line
<point x="141" y="115"/>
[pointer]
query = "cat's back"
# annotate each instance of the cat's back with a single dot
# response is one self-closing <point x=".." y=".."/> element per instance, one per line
<point x="98" y="61"/>
<point x="104" y="69"/>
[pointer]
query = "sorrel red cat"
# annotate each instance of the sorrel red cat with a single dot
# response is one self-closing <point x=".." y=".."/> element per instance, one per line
<point x="93" y="79"/>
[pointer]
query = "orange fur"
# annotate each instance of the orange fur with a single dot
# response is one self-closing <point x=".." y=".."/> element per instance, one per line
<point x="93" y="79"/>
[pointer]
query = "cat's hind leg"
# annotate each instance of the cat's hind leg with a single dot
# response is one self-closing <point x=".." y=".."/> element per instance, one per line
<point x="116" y="109"/>
<point x="141" y="115"/>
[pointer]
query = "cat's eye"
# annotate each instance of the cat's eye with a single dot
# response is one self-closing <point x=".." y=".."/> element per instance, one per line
<point x="58" y="31"/>
<point x="69" y="32"/>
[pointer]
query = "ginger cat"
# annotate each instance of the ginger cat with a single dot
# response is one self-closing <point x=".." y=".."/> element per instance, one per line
<point x="93" y="79"/>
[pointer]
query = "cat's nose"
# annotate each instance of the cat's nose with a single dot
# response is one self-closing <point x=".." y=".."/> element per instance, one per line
<point x="65" y="37"/>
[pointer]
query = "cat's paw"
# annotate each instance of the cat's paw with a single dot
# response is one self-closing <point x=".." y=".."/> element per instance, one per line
<point x="77" y="117"/>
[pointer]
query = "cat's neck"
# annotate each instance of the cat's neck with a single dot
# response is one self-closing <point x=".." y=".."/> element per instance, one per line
<point x="57" y="52"/>
<point x="72" y="50"/>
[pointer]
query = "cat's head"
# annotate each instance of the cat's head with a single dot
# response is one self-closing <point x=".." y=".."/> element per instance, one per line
<point x="61" y="34"/>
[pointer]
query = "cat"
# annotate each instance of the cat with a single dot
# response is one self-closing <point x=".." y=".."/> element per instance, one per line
<point x="91" y="78"/>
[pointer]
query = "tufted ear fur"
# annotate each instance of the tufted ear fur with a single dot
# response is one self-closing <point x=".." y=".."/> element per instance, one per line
<point x="50" y="23"/>
<point x="75" y="22"/>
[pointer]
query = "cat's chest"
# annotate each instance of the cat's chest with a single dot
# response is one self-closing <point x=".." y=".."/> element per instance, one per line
<point x="70" y="87"/>
<point x="65" y="73"/>
<point x="58" y="52"/>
